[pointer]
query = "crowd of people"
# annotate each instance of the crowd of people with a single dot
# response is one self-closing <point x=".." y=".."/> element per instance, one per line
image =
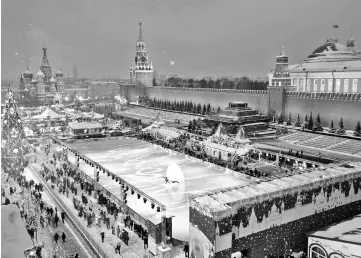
<point x="109" y="216"/>
<point x="48" y="216"/>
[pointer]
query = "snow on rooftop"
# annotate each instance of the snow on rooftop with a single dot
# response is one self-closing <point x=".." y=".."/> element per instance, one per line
<point x="348" y="230"/>
<point x="219" y="201"/>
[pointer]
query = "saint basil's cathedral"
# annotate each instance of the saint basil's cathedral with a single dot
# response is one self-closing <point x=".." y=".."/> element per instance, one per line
<point x="46" y="86"/>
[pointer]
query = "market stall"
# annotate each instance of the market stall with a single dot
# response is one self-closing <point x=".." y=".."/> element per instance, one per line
<point x="82" y="130"/>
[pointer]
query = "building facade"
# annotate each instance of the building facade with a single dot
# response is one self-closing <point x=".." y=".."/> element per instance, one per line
<point x="141" y="72"/>
<point x="330" y="68"/>
<point x="46" y="86"/>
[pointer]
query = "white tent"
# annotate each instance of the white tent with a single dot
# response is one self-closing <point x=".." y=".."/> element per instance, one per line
<point x="48" y="113"/>
<point x="94" y="115"/>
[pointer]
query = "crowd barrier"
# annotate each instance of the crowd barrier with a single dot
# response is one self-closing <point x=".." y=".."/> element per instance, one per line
<point x="128" y="211"/>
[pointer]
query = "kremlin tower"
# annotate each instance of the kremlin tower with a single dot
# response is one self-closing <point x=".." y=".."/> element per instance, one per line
<point x="281" y="75"/>
<point x="141" y="72"/>
<point x="279" y="83"/>
<point x="45" y="86"/>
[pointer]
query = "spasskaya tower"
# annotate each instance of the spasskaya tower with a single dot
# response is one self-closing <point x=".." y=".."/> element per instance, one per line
<point x="141" y="71"/>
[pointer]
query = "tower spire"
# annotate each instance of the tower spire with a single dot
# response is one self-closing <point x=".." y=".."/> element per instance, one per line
<point x="282" y="51"/>
<point x="140" y="36"/>
<point x="44" y="61"/>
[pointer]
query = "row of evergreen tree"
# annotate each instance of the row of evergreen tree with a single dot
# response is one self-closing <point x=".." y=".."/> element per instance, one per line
<point x="182" y="106"/>
<point x="316" y="125"/>
<point x="243" y="83"/>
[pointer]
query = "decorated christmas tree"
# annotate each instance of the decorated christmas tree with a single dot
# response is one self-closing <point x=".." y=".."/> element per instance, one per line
<point x="14" y="145"/>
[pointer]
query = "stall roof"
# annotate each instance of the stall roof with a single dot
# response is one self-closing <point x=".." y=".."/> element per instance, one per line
<point x="247" y="191"/>
<point x="14" y="236"/>
<point x="345" y="231"/>
<point x="48" y="113"/>
<point x="168" y="133"/>
<point x="85" y="125"/>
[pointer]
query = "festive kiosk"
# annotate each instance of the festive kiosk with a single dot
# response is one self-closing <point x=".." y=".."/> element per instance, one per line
<point x="223" y="147"/>
<point x="81" y="130"/>
<point x="48" y="114"/>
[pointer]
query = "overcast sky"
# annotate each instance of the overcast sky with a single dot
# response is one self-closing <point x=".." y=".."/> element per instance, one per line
<point x="199" y="37"/>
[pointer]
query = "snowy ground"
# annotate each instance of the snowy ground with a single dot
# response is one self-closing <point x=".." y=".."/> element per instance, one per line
<point x="144" y="165"/>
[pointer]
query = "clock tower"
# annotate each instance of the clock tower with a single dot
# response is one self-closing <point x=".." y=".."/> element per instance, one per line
<point x="141" y="72"/>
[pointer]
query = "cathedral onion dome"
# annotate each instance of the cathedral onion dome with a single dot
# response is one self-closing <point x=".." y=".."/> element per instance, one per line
<point x="27" y="73"/>
<point x="59" y="73"/>
<point x="332" y="51"/>
<point x="40" y="75"/>
<point x="52" y="80"/>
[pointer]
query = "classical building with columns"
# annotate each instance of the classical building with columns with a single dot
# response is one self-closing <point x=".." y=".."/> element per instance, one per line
<point x="330" y="68"/>
<point x="141" y="72"/>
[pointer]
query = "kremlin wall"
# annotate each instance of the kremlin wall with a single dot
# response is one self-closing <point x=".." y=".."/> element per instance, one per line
<point x="328" y="82"/>
<point x="330" y="107"/>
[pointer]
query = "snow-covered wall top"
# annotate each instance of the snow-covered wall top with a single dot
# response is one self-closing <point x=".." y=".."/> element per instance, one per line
<point x="304" y="187"/>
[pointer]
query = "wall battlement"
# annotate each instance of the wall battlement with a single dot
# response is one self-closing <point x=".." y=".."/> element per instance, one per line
<point x="324" y="96"/>
<point x="252" y="92"/>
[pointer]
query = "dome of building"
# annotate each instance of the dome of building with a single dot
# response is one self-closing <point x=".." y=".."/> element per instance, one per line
<point x="332" y="51"/>
<point x="59" y="73"/>
<point x="52" y="80"/>
<point x="40" y="75"/>
<point x="27" y="73"/>
<point x="34" y="81"/>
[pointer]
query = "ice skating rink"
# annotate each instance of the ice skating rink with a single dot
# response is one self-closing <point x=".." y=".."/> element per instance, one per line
<point x="144" y="166"/>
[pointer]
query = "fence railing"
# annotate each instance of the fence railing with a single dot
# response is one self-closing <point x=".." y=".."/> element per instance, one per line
<point x="73" y="220"/>
<point x="129" y="211"/>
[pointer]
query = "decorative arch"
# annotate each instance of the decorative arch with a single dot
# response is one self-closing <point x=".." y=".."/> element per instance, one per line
<point x="317" y="251"/>
<point x="336" y="255"/>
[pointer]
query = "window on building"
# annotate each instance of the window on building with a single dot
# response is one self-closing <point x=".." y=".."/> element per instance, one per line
<point x="315" y="85"/>
<point x="354" y="85"/>
<point x="308" y="84"/>
<point x="330" y="85"/>
<point x="302" y="84"/>
<point x="345" y="85"/>
<point x="338" y="85"/>
<point x="322" y="88"/>
<point x="317" y="252"/>
<point x="294" y="82"/>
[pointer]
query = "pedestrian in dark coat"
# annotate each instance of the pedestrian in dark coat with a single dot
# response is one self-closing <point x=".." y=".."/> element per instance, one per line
<point x="186" y="249"/>
<point x="102" y="234"/>
<point x="56" y="237"/>
<point x="56" y="220"/>
<point x="117" y="248"/>
<point x="62" y="216"/>
<point x="63" y="237"/>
